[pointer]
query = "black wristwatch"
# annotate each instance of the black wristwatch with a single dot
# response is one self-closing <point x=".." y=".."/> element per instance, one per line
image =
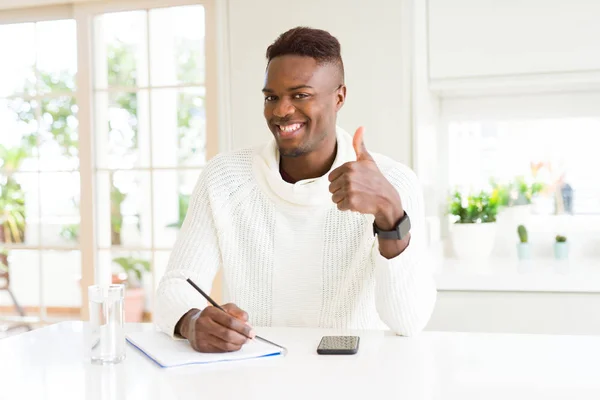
<point x="400" y="232"/>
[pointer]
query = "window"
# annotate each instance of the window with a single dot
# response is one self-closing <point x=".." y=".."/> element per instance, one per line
<point x="136" y="122"/>
<point x="538" y="155"/>
<point x="39" y="167"/>
<point x="557" y="157"/>
<point x="150" y="124"/>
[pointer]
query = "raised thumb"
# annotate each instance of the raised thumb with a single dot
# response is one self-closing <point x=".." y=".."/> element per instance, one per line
<point x="359" y="145"/>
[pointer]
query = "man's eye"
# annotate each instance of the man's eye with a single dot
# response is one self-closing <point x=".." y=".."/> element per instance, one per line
<point x="269" y="98"/>
<point x="301" y="96"/>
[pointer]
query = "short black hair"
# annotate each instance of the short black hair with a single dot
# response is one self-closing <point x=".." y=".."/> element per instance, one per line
<point x="308" y="42"/>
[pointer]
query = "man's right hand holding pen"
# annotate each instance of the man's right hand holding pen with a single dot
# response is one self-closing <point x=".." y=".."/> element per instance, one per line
<point x="214" y="331"/>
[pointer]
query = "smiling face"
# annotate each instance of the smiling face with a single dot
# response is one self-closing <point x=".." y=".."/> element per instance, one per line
<point x="302" y="99"/>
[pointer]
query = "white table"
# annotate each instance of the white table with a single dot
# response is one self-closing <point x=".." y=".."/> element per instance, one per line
<point x="49" y="364"/>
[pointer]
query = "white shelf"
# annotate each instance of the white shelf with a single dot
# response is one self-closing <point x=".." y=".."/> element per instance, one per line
<point x="508" y="275"/>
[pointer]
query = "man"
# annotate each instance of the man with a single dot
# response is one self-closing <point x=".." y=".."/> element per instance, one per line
<point x="310" y="230"/>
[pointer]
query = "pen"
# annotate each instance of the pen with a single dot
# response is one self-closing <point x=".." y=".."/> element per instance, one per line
<point x="214" y="303"/>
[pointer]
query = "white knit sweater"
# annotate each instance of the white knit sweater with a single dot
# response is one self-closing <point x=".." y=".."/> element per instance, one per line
<point x="289" y="256"/>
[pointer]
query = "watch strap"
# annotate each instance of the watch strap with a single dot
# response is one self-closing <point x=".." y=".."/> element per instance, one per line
<point x="399" y="232"/>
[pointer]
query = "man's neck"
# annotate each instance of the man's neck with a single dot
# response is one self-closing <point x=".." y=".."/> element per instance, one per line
<point x="311" y="165"/>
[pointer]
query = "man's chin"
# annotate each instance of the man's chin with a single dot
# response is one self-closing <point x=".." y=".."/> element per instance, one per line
<point x="291" y="151"/>
<point x="290" y="148"/>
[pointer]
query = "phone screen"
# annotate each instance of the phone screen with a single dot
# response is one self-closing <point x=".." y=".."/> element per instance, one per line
<point x="338" y="345"/>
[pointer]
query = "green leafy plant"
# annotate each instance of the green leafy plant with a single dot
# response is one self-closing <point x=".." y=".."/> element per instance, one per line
<point x="515" y="193"/>
<point x="502" y="191"/>
<point x="3" y="260"/>
<point x="116" y="216"/>
<point x="561" y="239"/>
<point x="12" y="195"/>
<point x="480" y="208"/>
<point x="522" y="231"/>
<point x="134" y="268"/>
<point x="526" y="192"/>
<point x="11" y="158"/>
<point x="70" y="232"/>
<point x="12" y="211"/>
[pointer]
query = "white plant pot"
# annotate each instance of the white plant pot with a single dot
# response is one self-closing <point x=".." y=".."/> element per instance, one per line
<point x="473" y="241"/>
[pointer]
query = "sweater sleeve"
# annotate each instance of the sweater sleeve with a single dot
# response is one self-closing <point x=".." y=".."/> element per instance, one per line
<point x="405" y="292"/>
<point x="196" y="254"/>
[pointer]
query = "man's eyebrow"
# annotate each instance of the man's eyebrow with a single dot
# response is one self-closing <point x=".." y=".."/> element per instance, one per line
<point x="299" y="87"/>
<point x="267" y="90"/>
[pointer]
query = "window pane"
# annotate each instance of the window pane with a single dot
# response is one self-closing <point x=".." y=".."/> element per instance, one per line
<point x="177" y="45"/>
<point x="61" y="275"/>
<point x="551" y="163"/>
<point x="178" y="127"/>
<point x="38" y="136"/>
<point x="124" y="214"/>
<point x="161" y="261"/>
<point x="134" y="270"/>
<point x="172" y="191"/>
<point x="121" y="49"/>
<point x="18" y="135"/>
<point x="60" y="208"/>
<point x="19" y="209"/>
<point x="24" y="281"/>
<point x="122" y="130"/>
<point x="56" y="55"/>
<point x="17" y="71"/>
<point x="59" y="140"/>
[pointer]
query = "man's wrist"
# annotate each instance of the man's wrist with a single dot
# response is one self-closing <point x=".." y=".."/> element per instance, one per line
<point x="387" y="219"/>
<point x="183" y="323"/>
<point x="390" y="211"/>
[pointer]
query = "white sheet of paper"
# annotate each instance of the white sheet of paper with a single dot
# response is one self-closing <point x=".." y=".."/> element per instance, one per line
<point x="168" y="352"/>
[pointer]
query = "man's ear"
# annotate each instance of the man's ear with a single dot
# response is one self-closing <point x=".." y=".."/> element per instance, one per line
<point x="340" y="97"/>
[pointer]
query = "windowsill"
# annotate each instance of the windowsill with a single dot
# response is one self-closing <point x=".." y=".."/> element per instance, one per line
<point x="508" y="275"/>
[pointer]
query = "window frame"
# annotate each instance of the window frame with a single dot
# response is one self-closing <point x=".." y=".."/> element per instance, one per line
<point x="83" y="14"/>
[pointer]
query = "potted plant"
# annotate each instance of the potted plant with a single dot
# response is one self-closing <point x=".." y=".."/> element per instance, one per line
<point x="12" y="222"/>
<point x="131" y="274"/>
<point x="561" y="248"/>
<point x="515" y="198"/>
<point x="3" y="269"/>
<point x="523" y="248"/>
<point x="12" y="203"/>
<point x="474" y="228"/>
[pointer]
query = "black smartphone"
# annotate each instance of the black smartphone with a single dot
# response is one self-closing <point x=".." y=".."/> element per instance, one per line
<point x="338" y="345"/>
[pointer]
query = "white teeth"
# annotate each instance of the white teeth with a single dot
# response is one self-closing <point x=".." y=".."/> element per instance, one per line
<point x="290" y="128"/>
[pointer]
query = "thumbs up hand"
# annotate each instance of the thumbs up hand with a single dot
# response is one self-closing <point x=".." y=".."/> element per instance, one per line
<point x="360" y="186"/>
<point x="359" y="146"/>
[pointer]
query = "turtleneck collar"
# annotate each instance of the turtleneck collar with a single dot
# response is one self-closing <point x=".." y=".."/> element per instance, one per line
<point x="310" y="192"/>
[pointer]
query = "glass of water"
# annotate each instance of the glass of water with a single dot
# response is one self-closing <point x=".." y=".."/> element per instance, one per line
<point x="106" y="342"/>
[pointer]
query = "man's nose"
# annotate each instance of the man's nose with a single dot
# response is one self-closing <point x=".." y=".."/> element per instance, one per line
<point x="283" y="108"/>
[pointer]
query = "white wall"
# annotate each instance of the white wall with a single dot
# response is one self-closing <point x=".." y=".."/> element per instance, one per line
<point x="426" y="119"/>
<point x="530" y="106"/>
<point x="474" y="38"/>
<point x="373" y="53"/>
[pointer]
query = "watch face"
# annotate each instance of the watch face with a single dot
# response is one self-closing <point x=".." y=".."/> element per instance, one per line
<point x="399" y="232"/>
<point x="404" y="226"/>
